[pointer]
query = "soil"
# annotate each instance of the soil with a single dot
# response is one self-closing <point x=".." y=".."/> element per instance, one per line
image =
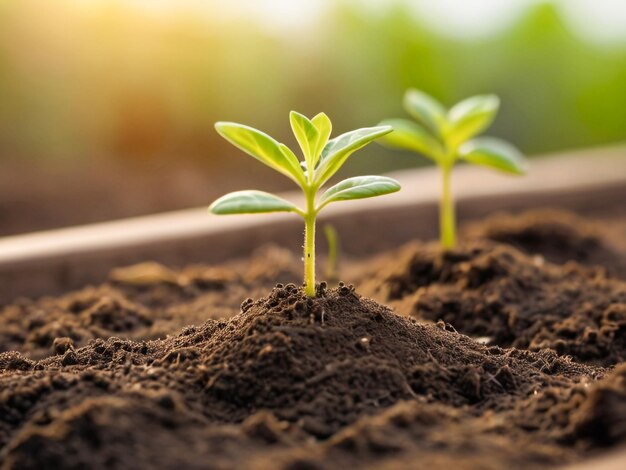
<point x="164" y="368"/>
<point x="559" y="237"/>
<point x="503" y="296"/>
<point x="142" y="302"/>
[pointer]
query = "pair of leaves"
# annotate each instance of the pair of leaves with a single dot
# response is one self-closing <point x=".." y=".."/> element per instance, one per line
<point x="463" y="121"/>
<point x="444" y="135"/>
<point x="251" y="202"/>
<point x="337" y="150"/>
<point x="470" y="117"/>
<point x="323" y="157"/>
<point x="311" y="134"/>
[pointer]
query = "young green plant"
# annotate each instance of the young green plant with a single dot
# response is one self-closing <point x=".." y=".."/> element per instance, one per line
<point x="322" y="159"/>
<point x="449" y="136"/>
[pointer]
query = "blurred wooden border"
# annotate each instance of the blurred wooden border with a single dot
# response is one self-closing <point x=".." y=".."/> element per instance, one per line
<point x="589" y="182"/>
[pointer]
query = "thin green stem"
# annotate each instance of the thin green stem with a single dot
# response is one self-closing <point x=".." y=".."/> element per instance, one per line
<point x="447" y="218"/>
<point x="309" y="245"/>
<point x="333" y="253"/>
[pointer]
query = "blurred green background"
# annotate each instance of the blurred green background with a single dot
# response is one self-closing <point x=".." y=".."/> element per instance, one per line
<point x="106" y="107"/>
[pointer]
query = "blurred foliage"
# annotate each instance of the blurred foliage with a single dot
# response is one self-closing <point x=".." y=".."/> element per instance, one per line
<point x="557" y="91"/>
<point x="102" y="80"/>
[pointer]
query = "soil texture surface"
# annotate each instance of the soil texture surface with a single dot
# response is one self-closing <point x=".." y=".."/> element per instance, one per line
<point x="292" y="382"/>
<point x="507" y="352"/>
<point x="559" y="237"/>
<point x="501" y="296"/>
<point x="141" y="302"/>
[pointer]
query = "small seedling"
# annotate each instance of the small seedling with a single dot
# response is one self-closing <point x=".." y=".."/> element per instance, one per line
<point x="332" y="263"/>
<point x="446" y="137"/>
<point x="322" y="159"/>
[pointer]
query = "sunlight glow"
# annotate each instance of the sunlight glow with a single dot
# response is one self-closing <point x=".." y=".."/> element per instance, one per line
<point x="603" y="20"/>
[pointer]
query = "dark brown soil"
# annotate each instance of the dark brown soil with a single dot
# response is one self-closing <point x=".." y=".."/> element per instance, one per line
<point x="559" y="237"/>
<point x="141" y="302"/>
<point x="118" y="376"/>
<point x="298" y="383"/>
<point x="507" y="298"/>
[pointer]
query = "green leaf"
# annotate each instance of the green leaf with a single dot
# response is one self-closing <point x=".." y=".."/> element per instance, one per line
<point x="262" y="147"/>
<point x="426" y="110"/>
<point x="409" y="135"/>
<point x="324" y="128"/>
<point x="494" y="153"/>
<point x="471" y="117"/>
<point x="292" y="157"/>
<point x="306" y="134"/>
<point x="251" y="202"/>
<point x="337" y="150"/>
<point x="359" y="187"/>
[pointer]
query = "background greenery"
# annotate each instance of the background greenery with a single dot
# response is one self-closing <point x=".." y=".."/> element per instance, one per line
<point x="108" y="81"/>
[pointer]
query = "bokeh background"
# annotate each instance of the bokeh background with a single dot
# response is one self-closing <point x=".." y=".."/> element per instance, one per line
<point x="106" y="107"/>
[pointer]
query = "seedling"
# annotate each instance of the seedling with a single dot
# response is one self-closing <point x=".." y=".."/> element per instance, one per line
<point x="322" y="159"/>
<point x="332" y="263"/>
<point x="446" y="137"/>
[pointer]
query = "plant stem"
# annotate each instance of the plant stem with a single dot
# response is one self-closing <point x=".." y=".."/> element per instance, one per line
<point x="447" y="218"/>
<point x="309" y="246"/>
<point x="333" y="253"/>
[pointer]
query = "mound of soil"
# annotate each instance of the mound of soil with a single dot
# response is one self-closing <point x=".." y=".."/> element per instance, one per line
<point x="508" y="298"/>
<point x="150" y="301"/>
<point x="141" y="302"/>
<point x="292" y="382"/>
